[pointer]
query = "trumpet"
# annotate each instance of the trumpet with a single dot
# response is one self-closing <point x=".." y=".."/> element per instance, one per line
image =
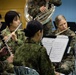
<point x="62" y="31"/>
<point x="13" y="32"/>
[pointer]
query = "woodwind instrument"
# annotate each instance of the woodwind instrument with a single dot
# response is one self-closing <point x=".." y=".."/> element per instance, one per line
<point x="14" y="32"/>
<point x="62" y="31"/>
<point x="5" y="43"/>
<point x="7" y="47"/>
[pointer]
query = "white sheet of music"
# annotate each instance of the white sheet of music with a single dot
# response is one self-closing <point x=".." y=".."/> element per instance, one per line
<point x="55" y="47"/>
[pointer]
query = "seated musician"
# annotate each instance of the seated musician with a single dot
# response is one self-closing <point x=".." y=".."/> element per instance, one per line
<point x="67" y="64"/>
<point x="31" y="53"/>
<point x="5" y="63"/>
<point x="14" y="39"/>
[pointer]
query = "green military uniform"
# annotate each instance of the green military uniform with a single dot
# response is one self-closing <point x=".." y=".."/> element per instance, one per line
<point x="32" y="54"/>
<point x="14" y="44"/>
<point x="68" y="58"/>
<point x="34" y="10"/>
<point x="7" y="68"/>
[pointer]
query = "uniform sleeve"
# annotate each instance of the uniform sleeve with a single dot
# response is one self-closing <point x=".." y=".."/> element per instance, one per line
<point x="20" y="38"/>
<point x="3" y="65"/>
<point x="46" y="66"/>
<point x="33" y="9"/>
<point x="73" y="38"/>
<point x="18" y="56"/>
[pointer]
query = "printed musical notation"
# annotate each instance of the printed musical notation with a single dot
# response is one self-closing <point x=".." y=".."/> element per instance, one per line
<point x="55" y="47"/>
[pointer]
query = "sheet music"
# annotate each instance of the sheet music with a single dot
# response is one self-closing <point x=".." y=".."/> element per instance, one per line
<point x="47" y="42"/>
<point x="55" y="47"/>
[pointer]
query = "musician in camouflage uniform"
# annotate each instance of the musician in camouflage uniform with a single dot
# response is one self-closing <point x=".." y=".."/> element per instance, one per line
<point x="5" y="63"/>
<point x="31" y="53"/>
<point x="40" y="6"/>
<point x="67" y="64"/>
<point x="12" y="20"/>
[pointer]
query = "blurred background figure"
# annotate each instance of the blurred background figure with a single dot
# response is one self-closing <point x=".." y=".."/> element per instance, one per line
<point x="36" y="7"/>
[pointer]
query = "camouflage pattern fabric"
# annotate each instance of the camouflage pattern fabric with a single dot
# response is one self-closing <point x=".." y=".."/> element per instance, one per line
<point x="4" y="66"/>
<point x="33" y="10"/>
<point x="32" y="54"/>
<point x="14" y="44"/>
<point x="68" y="59"/>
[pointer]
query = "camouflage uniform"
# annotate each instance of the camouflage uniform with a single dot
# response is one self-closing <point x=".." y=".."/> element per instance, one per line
<point x="32" y="54"/>
<point x="68" y="58"/>
<point x="4" y="68"/>
<point x="33" y="10"/>
<point x="7" y="68"/>
<point x="14" y="44"/>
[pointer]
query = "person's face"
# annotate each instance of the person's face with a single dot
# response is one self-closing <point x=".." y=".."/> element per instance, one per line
<point x="16" y="22"/>
<point x="62" y="25"/>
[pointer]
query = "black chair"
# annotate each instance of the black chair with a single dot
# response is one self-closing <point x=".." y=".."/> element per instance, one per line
<point x="22" y="70"/>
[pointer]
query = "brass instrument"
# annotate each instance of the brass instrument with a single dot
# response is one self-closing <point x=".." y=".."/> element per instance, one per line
<point x="14" y="32"/>
<point x="46" y="17"/>
<point x="62" y="31"/>
<point x="42" y="17"/>
<point x="27" y="16"/>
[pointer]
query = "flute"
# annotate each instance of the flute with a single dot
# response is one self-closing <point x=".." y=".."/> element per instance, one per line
<point x="14" y="32"/>
<point x="62" y="31"/>
<point x="5" y="43"/>
<point x="7" y="47"/>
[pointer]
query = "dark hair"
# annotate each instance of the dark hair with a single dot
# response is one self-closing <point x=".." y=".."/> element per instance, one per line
<point x="9" y="16"/>
<point x="32" y="27"/>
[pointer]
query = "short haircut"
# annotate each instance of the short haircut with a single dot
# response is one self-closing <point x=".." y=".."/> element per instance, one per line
<point x="32" y="27"/>
<point x="9" y="16"/>
<point x="58" y="19"/>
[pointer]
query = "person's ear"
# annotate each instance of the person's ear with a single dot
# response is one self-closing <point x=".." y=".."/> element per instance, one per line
<point x="38" y="33"/>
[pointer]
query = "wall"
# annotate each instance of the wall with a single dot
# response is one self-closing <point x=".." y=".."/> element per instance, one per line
<point x="68" y="9"/>
<point x="17" y="5"/>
